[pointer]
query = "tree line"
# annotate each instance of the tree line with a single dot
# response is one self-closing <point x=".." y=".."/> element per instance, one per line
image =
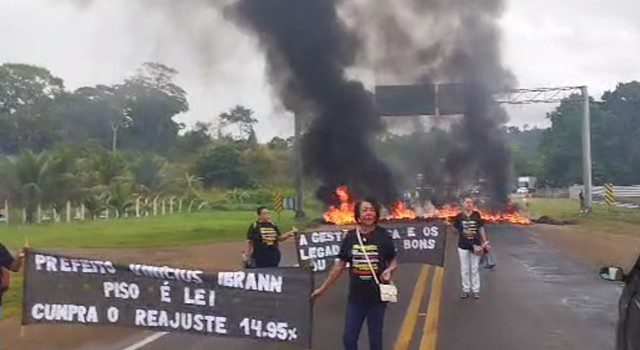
<point x="58" y="145"/>
<point x="554" y="154"/>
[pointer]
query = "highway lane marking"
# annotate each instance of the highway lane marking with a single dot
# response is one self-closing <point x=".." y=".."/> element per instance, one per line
<point x="408" y="324"/>
<point x="148" y="340"/>
<point x="430" y="334"/>
<point x="411" y="317"/>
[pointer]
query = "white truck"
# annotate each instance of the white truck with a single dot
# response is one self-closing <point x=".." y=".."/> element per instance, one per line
<point x="526" y="184"/>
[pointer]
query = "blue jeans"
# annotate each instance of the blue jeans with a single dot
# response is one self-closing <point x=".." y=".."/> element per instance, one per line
<point x="356" y="313"/>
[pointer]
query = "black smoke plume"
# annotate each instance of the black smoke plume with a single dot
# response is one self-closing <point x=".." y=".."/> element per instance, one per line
<point x="446" y="41"/>
<point x="308" y="47"/>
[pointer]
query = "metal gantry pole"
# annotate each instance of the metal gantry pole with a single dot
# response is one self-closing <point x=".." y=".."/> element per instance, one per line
<point x="297" y="149"/>
<point x="586" y="149"/>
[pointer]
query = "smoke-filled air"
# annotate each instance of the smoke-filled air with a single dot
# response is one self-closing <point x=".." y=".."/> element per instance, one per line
<point x="309" y="46"/>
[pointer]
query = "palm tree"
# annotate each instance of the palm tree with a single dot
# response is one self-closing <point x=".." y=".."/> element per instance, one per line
<point x="94" y="201"/>
<point x="107" y="167"/>
<point x="21" y="178"/>
<point x="119" y="197"/>
<point x="60" y="181"/>
<point x="189" y="185"/>
<point x="45" y="179"/>
<point x="149" y="174"/>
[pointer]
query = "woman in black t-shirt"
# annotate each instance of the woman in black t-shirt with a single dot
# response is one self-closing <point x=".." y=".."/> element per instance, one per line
<point x="263" y="237"/>
<point x="364" y="294"/>
<point x="472" y="241"/>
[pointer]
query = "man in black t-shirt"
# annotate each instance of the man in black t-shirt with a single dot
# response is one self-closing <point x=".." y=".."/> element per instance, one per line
<point x="364" y="293"/>
<point x="263" y="237"/>
<point x="9" y="263"/>
<point x="471" y="244"/>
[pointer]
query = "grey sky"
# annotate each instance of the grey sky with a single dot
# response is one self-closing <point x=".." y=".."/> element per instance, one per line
<point x="545" y="43"/>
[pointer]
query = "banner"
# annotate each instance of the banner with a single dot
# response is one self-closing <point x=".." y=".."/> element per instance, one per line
<point x="269" y="304"/>
<point x="415" y="242"/>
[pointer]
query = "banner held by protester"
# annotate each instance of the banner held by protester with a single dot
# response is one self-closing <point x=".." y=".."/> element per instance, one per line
<point x="416" y="242"/>
<point x="269" y="304"/>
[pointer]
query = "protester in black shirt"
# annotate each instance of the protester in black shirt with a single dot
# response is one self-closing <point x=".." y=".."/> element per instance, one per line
<point x="263" y="237"/>
<point x="8" y="262"/>
<point x="472" y="241"/>
<point x="364" y="294"/>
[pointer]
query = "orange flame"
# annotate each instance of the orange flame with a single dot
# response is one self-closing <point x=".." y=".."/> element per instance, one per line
<point x="342" y="214"/>
<point x="511" y="217"/>
<point x="400" y="212"/>
<point x="505" y="218"/>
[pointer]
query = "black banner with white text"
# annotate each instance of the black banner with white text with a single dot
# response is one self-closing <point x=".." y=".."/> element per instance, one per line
<point x="270" y="304"/>
<point x="415" y="243"/>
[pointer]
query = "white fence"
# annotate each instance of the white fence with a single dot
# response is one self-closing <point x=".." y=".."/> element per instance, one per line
<point x="142" y="207"/>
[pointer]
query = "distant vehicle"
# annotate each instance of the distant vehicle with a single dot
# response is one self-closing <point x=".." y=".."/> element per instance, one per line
<point x="528" y="182"/>
<point x="522" y="190"/>
<point x="628" y="330"/>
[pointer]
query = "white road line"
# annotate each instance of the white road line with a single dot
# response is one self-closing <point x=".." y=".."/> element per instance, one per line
<point x="146" y="341"/>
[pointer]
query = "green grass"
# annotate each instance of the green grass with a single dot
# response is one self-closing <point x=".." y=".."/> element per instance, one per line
<point x="603" y="218"/>
<point x="12" y="299"/>
<point x="159" y="231"/>
<point x="557" y="208"/>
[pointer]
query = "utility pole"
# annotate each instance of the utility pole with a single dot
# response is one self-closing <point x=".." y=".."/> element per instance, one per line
<point x="586" y="149"/>
<point x="436" y="98"/>
<point x="126" y="122"/>
<point x="114" y="140"/>
<point x="297" y="149"/>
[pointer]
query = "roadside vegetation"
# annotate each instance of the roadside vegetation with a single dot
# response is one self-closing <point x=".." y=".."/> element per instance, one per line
<point x="613" y="219"/>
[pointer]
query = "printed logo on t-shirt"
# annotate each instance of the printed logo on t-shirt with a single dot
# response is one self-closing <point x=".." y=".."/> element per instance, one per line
<point x="469" y="229"/>
<point x="269" y="235"/>
<point x="360" y="266"/>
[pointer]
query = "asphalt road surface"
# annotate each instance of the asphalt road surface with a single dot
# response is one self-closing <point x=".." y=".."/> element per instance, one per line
<point x="535" y="298"/>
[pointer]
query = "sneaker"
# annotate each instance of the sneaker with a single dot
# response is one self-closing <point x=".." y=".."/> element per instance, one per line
<point x="464" y="295"/>
<point x="476" y="295"/>
<point x="489" y="266"/>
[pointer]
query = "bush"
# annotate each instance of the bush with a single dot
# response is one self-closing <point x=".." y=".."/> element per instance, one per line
<point x="223" y="166"/>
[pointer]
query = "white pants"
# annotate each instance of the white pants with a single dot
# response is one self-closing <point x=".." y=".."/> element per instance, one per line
<point x="469" y="273"/>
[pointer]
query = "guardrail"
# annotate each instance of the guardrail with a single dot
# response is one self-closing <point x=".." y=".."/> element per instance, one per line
<point x="619" y="191"/>
<point x="625" y="196"/>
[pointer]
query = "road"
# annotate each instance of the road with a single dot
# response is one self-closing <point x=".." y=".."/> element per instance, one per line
<point x="536" y="298"/>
